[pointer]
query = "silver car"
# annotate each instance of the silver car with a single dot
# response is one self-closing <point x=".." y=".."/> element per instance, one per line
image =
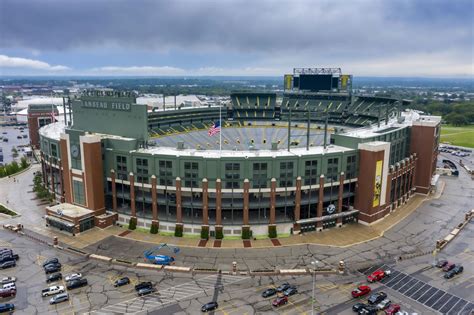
<point x="59" y="298"/>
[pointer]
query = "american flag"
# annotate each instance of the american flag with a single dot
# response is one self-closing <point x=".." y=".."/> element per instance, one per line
<point x="215" y="129"/>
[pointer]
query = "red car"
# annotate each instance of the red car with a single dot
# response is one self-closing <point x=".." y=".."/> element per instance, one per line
<point x="449" y="266"/>
<point x="378" y="275"/>
<point x="281" y="300"/>
<point x="360" y="291"/>
<point x="392" y="309"/>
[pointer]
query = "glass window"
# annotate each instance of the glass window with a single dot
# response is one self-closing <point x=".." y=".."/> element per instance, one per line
<point x="286" y="174"/>
<point x="310" y="172"/>
<point x="191" y="174"/>
<point x="142" y="170"/>
<point x="165" y="173"/>
<point x="333" y="170"/>
<point x="78" y="190"/>
<point x="122" y="172"/>
<point x="232" y="175"/>
<point x="259" y="175"/>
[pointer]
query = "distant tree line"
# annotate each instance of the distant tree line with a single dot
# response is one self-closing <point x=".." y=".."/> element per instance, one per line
<point x="457" y="114"/>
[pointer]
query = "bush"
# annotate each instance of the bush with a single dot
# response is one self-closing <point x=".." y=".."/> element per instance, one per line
<point x="132" y="225"/>
<point x="272" y="231"/>
<point x="246" y="233"/>
<point x="24" y="163"/>
<point x="178" y="230"/>
<point x="219" y="234"/>
<point x="154" y="228"/>
<point x="205" y="232"/>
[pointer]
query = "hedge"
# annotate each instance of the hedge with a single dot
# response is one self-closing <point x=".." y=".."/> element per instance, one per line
<point x="178" y="230"/>
<point x="205" y="232"/>
<point x="154" y="228"/>
<point x="272" y="231"/>
<point x="132" y="225"/>
<point x="219" y="234"/>
<point x="246" y="234"/>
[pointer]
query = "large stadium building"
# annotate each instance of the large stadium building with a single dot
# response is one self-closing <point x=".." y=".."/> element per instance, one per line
<point x="315" y="158"/>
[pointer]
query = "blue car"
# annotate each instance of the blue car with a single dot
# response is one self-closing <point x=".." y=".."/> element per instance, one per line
<point x="7" y="307"/>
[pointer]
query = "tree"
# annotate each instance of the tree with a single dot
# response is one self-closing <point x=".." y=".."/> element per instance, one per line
<point x="24" y="163"/>
<point x="456" y="119"/>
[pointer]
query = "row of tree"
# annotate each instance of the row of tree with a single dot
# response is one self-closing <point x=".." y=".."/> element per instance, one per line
<point x="39" y="189"/>
<point x="457" y="114"/>
<point x="13" y="167"/>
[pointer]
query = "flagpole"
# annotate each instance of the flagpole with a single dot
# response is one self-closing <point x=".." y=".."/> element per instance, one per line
<point x="222" y="129"/>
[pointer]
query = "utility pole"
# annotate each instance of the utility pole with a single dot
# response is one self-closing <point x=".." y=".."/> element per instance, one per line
<point x="289" y="130"/>
<point x="307" y="133"/>
<point x="326" y="132"/>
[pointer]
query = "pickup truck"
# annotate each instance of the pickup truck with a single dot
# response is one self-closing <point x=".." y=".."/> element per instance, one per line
<point x="56" y="289"/>
<point x="378" y="275"/>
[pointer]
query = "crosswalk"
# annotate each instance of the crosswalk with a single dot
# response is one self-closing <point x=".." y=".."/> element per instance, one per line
<point x="170" y="295"/>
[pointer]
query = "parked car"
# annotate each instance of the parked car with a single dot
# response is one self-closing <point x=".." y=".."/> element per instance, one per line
<point x="358" y="306"/>
<point x="9" y="286"/>
<point x="56" y="289"/>
<point x="378" y="275"/>
<point x="54" y="277"/>
<point x="122" y="281"/>
<point x="51" y="261"/>
<point x="59" y="298"/>
<point x="377" y="297"/>
<point x="8" y="264"/>
<point x="6" y="280"/>
<point x="143" y="285"/>
<point x="449" y="266"/>
<point x="392" y="309"/>
<point x="73" y="276"/>
<point x="7" y="307"/>
<point x="290" y="291"/>
<point x="458" y="269"/>
<point x="145" y="291"/>
<point x="361" y="291"/>
<point x="5" y="293"/>
<point x="441" y="263"/>
<point x="269" y="292"/>
<point x="384" y="304"/>
<point x="283" y="287"/>
<point x="211" y="306"/>
<point x="51" y="268"/>
<point x="368" y="310"/>
<point x="279" y="301"/>
<point x="6" y="250"/>
<point x="77" y="283"/>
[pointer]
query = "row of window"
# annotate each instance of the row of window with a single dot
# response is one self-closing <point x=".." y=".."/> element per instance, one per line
<point x="232" y="177"/>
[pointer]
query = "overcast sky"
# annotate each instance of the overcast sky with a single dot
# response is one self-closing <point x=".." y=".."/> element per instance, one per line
<point x="223" y="37"/>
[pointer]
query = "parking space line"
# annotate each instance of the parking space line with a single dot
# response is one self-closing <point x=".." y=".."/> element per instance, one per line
<point x="408" y="285"/>
<point x="449" y="299"/>
<point x="392" y="281"/>
<point x="445" y="310"/>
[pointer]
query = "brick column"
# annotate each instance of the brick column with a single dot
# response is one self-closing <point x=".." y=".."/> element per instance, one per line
<point x="43" y="169"/>
<point x="61" y="183"/>
<point x="218" y="226"/>
<point x="132" y="195"/>
<point x="154" y="203"/>
<point x="389" y="188"/>
<point x="319" y="212"/>
<point x="179" y="210"/>
<point x="114" y="190"/>
<point x="205" y="204"/>
<point x="245" y="225"/>
<point x="407" y="176"/>
<point x="296" y="226"/>
<point x="272" y="201"/>
<point x="339" y="198"/>
<point x="395" y="192"/>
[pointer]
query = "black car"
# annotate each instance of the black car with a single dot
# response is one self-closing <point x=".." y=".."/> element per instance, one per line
<point x="441" y="263"/>
<point x="122" y="281"/>
<point x="458" y="269"/>
<point x="269" y="292"/>
<point x="283" y="287"/>
<point x="368" y="310"/>
<point x="51" y="261"/>
<point x="145" y="291"/>
<point x="290" y="291"/>
<point x="54" y="277"/>
<point x="6" y="307"/>
<point x="209" y="307"/>
<point x="377" y="297"/>
<point x="358" y="306"/>
<point x="8" y="257"/>
<point x="143" y="285"/>
<point x="8" y="264"/>
<point x="51" y="268"/>
<point x="77" y="283"/>
<point x="449" y="274"/>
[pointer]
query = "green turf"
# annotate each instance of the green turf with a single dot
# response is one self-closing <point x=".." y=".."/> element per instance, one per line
<point x="462" y="136"/>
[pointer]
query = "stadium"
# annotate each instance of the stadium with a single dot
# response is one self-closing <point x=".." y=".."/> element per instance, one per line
<point x="313" y="157"/>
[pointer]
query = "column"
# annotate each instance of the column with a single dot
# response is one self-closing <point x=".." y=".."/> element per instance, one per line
<point x="154" y="204"/>
<point x="389" y="189"/>
<point x="395" y="188"/>
<point x="61" y="183"/>
<point x="43" y="169"/>
<point x="339" y="199"/>
<point x="245" y="225"/>
<point x="114" y="190"/>
<point x="179" y="210"/>
<point x="52" y="177"/>
<point x="296" y="226"/>
<point x="132" y="195"/>
<point x="218" y="226"/>
<point x="205" y="204"/>
<point x="319" y="212"/>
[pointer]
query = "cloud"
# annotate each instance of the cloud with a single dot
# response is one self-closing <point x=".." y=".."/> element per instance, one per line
<point x="137" y="70"/>
<point x="16" y="62"/>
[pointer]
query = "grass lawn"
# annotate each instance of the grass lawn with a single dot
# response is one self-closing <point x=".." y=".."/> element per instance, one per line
<point x="6" y="211"/>
<point x="462" y="136"/>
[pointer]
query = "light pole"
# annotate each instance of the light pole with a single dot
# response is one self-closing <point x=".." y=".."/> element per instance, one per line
<point x="314" y="263"/>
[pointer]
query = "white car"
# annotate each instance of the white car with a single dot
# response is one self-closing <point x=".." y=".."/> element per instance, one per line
<point x="56" y="289"/>
<point x="6" y="280"/>
<point x="384" y="304"/>
<point x="73" y="276"/>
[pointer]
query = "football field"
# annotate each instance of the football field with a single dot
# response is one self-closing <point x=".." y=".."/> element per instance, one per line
<point x="462" y="136"/>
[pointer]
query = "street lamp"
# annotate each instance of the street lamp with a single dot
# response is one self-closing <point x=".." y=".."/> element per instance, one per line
<point x="314" y="263"/>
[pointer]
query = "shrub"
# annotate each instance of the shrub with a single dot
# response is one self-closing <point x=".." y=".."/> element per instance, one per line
<point x="246" y="233"/>
<point x="154" y="228"/>
<point x="219" y="234"/>
<point x="24" y="163"/>
<point x="272" y="231"/>
<point x="178" y="230"/>
<point x="132" y="225"/>
<point x="205" y="232"/>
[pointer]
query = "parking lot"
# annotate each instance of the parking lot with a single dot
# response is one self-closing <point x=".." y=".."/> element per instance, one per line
<point x="12" y="133"/>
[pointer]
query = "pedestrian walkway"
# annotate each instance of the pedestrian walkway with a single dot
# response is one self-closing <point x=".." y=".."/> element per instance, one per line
<point x="171" y="295"/>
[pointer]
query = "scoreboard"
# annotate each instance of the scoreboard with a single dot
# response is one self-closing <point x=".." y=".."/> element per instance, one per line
<point x="317" y="79"/>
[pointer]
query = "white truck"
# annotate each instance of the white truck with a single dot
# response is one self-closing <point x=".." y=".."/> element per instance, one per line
<point x="56" y="289"/>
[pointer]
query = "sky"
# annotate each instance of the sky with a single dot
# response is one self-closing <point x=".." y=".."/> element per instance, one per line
<point x="423" y="38"/>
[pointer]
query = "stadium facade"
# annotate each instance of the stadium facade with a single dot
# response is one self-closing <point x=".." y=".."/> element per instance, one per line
<point x="278" y="169"/>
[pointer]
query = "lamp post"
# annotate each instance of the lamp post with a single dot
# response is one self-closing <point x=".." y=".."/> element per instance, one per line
<point x="314" y="263"/>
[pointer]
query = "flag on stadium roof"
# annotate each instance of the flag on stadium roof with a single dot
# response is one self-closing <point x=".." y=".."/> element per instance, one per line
<point x="215" y="129"/>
